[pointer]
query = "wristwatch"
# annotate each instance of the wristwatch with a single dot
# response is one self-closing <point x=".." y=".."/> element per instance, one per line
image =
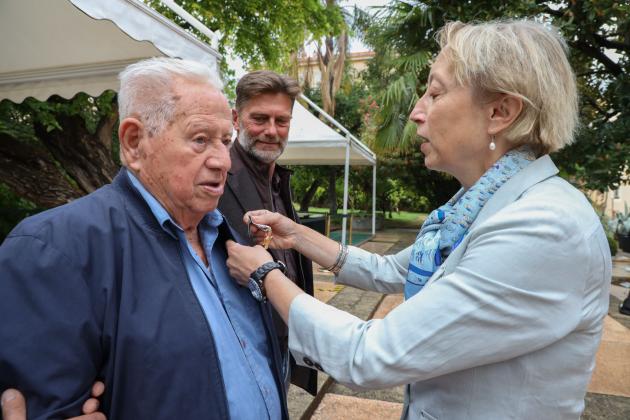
<point x="256" y="283"/>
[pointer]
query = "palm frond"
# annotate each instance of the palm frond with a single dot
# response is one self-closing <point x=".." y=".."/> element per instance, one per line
<point x="413" y="63"/>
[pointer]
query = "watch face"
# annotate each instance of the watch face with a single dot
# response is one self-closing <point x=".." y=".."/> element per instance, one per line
<point x="255" y="289"/>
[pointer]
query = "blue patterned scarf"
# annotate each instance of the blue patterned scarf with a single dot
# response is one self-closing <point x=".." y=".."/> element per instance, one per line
<point x="447" y="225"/>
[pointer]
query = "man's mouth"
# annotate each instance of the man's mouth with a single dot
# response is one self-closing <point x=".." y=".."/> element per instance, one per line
<point x="213" y="187"/>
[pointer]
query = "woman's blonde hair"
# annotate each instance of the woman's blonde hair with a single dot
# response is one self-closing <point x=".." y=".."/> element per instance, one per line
<point x="525" y="59"/>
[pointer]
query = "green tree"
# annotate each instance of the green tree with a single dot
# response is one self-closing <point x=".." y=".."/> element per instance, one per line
<point x="261" y="32"/>
<point x="598" y="34"/>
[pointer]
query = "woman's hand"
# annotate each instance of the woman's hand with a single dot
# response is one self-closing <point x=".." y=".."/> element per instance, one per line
<point x="284" y="230"/>
<point x="244" y="260"/>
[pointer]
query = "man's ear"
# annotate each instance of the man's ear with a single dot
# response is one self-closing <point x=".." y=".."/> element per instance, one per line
<point x="235" y="119"/>
<point x="130" y="134"/>
<point x="503" y="112"/>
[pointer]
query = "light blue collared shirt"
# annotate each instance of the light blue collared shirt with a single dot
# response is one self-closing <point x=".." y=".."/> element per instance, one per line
<point x="234" y="317"/>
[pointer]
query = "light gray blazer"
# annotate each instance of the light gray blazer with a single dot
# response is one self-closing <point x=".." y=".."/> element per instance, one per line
<point x="508" y="326"/>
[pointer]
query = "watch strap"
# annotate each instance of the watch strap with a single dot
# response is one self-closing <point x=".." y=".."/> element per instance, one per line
<point x="261" y="272"/>
<point x="258" y="276"/>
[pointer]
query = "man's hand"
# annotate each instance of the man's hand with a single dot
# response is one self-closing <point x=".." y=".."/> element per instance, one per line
<point x="243" y="260"/>
<point x="14" y="405"/>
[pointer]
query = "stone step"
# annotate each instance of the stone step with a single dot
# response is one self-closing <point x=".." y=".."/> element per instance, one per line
<point x="341" y="407"/>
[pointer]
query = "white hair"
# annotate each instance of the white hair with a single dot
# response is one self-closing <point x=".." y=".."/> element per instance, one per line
<point x="146" y="89"/>
<point x="525" y="59"/>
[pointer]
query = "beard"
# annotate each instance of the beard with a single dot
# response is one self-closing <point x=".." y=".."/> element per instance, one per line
<point x="267" y="156"/>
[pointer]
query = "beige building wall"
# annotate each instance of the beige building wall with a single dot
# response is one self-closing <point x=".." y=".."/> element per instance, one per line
<point x="618" y="199"/>
<point x="612" y="202"/>
<point x="309" y="74"/>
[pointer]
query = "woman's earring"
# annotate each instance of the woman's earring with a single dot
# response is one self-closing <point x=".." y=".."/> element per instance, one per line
<point x="492" y="145"/>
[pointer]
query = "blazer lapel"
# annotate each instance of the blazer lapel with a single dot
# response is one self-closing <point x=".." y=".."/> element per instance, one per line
<point x="241" y="185"/>
<point x="244" y="190"/>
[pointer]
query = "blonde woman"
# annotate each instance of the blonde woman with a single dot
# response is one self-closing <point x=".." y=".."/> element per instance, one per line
<point x="506" y="285"/>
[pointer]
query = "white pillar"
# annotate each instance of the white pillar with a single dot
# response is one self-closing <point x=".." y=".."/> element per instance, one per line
<point x="374" y="199"/>
<point x="346" y="175"/>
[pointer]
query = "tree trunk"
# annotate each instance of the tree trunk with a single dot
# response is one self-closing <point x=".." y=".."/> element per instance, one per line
<point x="64" y="165"/>
<point x="87" y="158"/>
<point x="331" y="64"/>
<point x="332" y="190"/>
<point x="31" y="172"/>
<point x="305" y="203"/>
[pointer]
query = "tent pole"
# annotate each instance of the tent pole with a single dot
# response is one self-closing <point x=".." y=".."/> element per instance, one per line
<point x="374" y="199"/>
<point x="346" y="174"/>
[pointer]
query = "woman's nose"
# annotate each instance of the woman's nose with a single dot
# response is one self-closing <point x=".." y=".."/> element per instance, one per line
<point x="418" y="115"/>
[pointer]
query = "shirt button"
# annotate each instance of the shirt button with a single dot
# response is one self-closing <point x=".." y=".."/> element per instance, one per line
<point x="308" y="361"/>
<point x="318" y="366"/>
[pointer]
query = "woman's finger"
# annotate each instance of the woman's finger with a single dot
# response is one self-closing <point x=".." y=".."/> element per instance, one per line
<point x="254" y="214"/>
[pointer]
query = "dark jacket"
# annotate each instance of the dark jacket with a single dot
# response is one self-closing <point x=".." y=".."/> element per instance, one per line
<point x="96" y="289"/>
<point x="241" y="196"/>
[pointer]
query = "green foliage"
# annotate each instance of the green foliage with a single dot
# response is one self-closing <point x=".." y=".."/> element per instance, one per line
<point x="260" y="31"/>
<point x="303" y="177"/>
<point x="19" y="120"/>
<point x="402" y="35"/>
<point x="613" y="245"/>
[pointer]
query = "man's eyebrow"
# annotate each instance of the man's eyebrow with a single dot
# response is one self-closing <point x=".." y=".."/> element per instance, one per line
<point x="195" y="125"/>
<point x="262" y="114"/>
<point x="199" y="126"/>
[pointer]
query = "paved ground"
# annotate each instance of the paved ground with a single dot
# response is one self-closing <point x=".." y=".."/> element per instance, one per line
<point x="609" y="392"/>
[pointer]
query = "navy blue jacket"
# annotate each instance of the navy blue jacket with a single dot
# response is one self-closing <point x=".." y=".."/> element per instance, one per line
<point x="96" y="289"/>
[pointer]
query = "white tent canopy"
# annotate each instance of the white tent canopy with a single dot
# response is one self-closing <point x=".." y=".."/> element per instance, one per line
<point x="67" y="46"/>
<point x="64" y="47"/>
<point x="312" y="142"/>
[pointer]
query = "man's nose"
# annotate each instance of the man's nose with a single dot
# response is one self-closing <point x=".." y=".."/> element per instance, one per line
<point x="219" y="159"/>
<point x="271" y="129"/>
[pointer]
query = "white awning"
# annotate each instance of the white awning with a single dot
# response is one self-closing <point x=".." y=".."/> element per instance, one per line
<point x="312" y="142"/>
<point x="68" y="46"/>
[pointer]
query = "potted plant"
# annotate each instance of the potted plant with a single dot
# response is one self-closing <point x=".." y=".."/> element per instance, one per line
<point x="622" y="229"/>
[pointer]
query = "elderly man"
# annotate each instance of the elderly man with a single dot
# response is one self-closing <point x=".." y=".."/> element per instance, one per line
<point x="129" y="283"/>
<point x="264" y="104"/>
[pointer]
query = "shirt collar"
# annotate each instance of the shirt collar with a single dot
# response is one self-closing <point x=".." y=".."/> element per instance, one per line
<point x="212" y="219"/>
